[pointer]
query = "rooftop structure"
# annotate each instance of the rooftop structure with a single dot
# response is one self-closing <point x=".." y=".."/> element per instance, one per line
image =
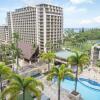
<point x="62" y="56"/>
<point x="28" y="52"/>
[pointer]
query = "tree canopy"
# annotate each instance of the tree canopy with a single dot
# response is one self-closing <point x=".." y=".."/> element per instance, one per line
<point x="82" y="41"/>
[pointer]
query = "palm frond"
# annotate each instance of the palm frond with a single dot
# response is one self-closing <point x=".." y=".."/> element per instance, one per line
<point x="18" y="78"/>
<point x="27" y="81"/>
<point x="15" y="83"/>
<point x="10" y="91"/>
<point x="36" y="92"/>
<point x="72" y="60"/>
<point x="60" y="73"/>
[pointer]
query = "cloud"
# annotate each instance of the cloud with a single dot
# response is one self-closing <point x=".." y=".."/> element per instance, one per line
<point x="81" y="1"/>
<point x="35" y="2"/>
<point x="91" y="21"/>
<point x="74" y="9"/>
<point x="3" y="9"/>
<point x="97" y="19"/>
<point x="2" y="15"/>
<point x="87" y="21"/>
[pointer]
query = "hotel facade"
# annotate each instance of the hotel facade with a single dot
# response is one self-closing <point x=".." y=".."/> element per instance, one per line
<point x="4" y="36"/>
<point x="41" y="25"/>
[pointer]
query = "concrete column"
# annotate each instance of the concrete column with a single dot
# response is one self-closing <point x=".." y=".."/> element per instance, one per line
<point x="99" y="55"/>
<point x="30" y="63"/>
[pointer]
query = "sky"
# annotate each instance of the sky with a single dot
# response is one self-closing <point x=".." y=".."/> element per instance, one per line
<point x="77" y="13"/>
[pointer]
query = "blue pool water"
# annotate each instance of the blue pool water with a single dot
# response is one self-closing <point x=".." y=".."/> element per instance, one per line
<point x="86" y="92"/>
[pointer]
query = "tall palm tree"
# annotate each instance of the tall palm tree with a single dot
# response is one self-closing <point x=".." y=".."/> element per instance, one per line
<point x="50" y="45"/>
<point x="15" y="52"/>
<point x="4" y="51"/>
<point x="60" y="73"/>
<point x="16" y="40"/>
<point x="20" y="84"/>
<point x="48" y="57"/>
<point x="13" y="55"/>
<point x="78" y="60"/>
<point x="4" y="73"/>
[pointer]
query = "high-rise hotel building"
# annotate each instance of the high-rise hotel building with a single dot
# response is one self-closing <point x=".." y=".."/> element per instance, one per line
<point x="42" y="25"/>
<point x="23" y="21"/>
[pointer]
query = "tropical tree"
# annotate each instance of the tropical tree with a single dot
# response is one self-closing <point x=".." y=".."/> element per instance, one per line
<point x="4" y="73"/>
<point x="78" y="60"/>
<point x="60" y="43"/>
<point x="16" y="40"/>
<point x="22" y="85"/>
<point x="60" y="73"/>
<point x="33" y="45"/>
<point x="50" y="45"/>
<point x="48" y="57"/>
<point x="15" y="52"/>
<point x="98" y="63"/>
<point x="5" y="51"/>
<point x="13" y="55"/>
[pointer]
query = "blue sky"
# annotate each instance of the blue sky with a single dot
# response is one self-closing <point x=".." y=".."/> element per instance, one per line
<point x="77" y="13"/>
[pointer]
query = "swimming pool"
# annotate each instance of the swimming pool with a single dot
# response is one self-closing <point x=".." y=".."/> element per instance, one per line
<point x="87" y="93"/>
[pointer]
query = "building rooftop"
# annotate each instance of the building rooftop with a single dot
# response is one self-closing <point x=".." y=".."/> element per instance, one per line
<point x="27" y="49"/>
<point x="46" y="4"/>
<point x="64" y="54"/>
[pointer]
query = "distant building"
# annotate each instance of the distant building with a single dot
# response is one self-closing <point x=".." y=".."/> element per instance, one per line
<point x="41" y="25"/>
<point x="4" y="36"/>
<point x="77" y="30"/>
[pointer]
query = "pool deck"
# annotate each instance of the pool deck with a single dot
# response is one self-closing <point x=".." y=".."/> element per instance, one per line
<point x="50" y="90"/>
<point x="92" y="73"/>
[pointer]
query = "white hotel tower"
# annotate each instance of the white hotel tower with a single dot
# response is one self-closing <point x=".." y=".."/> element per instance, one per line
<point x="42" y="25"/>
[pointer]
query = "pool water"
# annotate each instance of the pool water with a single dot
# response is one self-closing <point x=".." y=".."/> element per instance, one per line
<point x="86" y="92"/>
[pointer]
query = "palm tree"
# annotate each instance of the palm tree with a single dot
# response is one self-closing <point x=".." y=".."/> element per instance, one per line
<point x="20" y="84"/>
<point x="16" y="40"/>
<point x="98" y="63"/>
<point x="48" y="57"/>
<point x="14" y="53"/>
<point x="60" y="43"/>
<point x="60" y="73"/>
<point x="50" y="45"/>
<point x="4" y="73"/>
<point x="4" y="51"/>
<point x="78" y="60"/>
